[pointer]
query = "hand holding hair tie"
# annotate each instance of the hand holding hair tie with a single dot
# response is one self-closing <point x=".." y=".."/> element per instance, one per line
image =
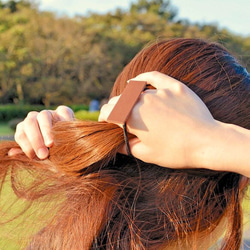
<point x="164" y="120"/>
<point x="174" y="128"/>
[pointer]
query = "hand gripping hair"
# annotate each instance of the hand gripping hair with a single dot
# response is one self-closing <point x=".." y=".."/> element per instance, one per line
<point x="95" y="198"/>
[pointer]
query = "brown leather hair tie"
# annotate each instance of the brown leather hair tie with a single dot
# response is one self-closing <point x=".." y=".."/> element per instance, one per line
<point x="125" y="104"/>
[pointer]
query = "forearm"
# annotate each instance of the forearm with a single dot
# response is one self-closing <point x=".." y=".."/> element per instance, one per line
<point x="226" y="148"/>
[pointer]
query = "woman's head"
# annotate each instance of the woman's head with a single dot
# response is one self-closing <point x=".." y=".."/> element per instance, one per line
<point x="207" y="68"/>
<point x="117" y="202"/>
<point x="154" y="206"/>
<point x="224" y="86"/>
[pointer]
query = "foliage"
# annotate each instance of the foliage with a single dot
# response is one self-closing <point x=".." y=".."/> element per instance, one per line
<point x="10" y="111"/>
<point x="50" y="60"/>
<point x="78" y="107"/>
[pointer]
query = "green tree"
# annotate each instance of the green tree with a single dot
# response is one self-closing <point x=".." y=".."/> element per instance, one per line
<point x="161" y="8"/>
<point x="46" y="59"/>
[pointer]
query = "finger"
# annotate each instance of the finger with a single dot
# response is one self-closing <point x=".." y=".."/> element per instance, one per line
<point x="46" y="119"/>
<point x="45" y="123"/>
<point x="34" y="136"/>
<point x="104" y="112"/>
<point x="15" y="151"/>
<point x="107" y="108"/>
<point x="158" y="80"/>
<point x="137" y="149"/>
<point x="23" y="141"/>
<point x="64" y="113"/>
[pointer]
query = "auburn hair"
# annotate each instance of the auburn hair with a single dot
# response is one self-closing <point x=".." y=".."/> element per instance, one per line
<point x="104" y="200"/>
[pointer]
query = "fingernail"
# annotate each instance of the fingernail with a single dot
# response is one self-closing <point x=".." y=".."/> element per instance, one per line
<point x="49" y="143"/>
<point x="42" y="153"/>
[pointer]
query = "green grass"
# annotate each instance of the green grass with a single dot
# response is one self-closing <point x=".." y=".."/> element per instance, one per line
<point x="16" y="233"/>
<point x="5" y="130"/>
<point x="246" y="211"/>
<point x="85" y="115"/>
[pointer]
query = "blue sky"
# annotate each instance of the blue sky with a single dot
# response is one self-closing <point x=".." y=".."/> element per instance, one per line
<point x="232" y="14"/>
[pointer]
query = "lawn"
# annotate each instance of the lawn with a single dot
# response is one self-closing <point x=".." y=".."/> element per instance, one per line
<point x="16" y="233"/>
<point x="5" y="130"/>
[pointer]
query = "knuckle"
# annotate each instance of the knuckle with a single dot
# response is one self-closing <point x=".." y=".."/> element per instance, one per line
<point x="62" y="109"/>
<point x="32" y="115"/>
<point x="19" y="135"/>
<point x="31" y="118"/>
<point x="41" y="114"/>
<point x="147" y="97"/>
<point x="179" y="87"/>
<point x="154" y="73"/>
<point x="164" y="93"/>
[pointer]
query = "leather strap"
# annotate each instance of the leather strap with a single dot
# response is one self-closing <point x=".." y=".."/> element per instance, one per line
<point x="126" y="102"/>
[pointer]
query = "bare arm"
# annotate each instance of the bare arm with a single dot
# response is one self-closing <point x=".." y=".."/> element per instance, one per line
<point x="175" y="129"/>
<point x="226" y="148"/>
<point x="172" y="125"/>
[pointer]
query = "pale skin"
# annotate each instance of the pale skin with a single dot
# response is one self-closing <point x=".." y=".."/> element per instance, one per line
<point x="173" y="128"/>
<point x="34" y="133"/>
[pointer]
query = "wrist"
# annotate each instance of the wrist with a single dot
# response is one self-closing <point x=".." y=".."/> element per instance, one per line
<point x="208" y="139"/>
<point x="224" y="147"/>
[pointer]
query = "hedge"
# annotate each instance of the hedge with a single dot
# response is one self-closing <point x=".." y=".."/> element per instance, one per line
<point x="11" y="111"/>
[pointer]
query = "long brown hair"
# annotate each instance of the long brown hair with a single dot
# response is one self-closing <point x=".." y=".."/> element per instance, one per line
<point x="104" y="200"/>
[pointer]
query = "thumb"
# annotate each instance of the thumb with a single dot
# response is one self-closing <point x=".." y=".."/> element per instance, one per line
<point x="14" y="151"/>
<point x="139" y="149"/>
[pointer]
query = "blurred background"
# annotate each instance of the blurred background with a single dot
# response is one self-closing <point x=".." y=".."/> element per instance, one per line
<point x="56" y="52"/>
<point x="69" y="52"/>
